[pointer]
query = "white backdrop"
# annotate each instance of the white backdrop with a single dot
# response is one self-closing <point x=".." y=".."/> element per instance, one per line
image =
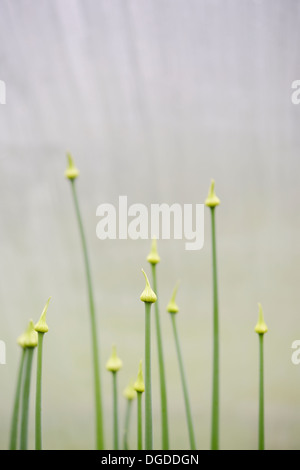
<point x="153" y="98"/>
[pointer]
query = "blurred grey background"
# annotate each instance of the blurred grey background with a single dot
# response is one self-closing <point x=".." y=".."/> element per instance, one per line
<point x="153" y="98"/>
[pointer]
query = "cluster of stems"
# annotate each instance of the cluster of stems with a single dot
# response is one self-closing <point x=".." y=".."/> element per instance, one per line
<point x="34" y="337"/>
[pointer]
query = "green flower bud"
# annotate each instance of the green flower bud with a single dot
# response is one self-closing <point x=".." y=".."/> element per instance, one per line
<point x="153" y="257"/>
<point x="71" y="172"/>
<point x="30" y="336"/>
<point x="21" y="340"/>
<point x="261" y="328"/>
<point x="148" y="295"/>
<point x="139" y="385"/>
<point x="212" y="200"/>
<point x="114" y="363"/>
<point x="130" y="392"/>
<point x="41" y="325"/>
<point x="172" y="307"/>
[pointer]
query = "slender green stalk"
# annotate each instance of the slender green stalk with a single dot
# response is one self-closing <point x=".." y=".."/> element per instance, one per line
<point x="139" y="387"/>
<point x="25" y="399"/>
<point x="261" y="329"/>
<point x="116" y="418"/>
<point x="212" y="201"/>
<point x="261" y="425"/>
<point x="184" y="386"/>
<point x="215" y="389"/>
<point x="114" y="364"/>
<point x="139" y="421"/>
<point x="148" y="297"/>
<point x="95" y="351"/>
<point x="126" y="425"/>
<point x="148" y="387"/>
<point x="38" y="397"/>
<point x="40" y="328"/>
<point x="130" y="394"/>
<point x="163" y="391"/>
<point x="15" y="417"/>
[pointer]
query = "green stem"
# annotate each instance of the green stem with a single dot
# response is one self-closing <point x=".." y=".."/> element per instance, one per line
<point x="215" y="388"/>
<point x="184" y="386"/>
<point x="163" y="391"/>
<point x="38" y="397"/>
<point x="116" y="420"/>
<point x="15" y="416"/>
<point x="148" y="391"/>
<point x="95" y="352"/>
<point x="25" y="399"/>
<point x="126" y="425"/>
<point x="261" y="431"/>
<point x="139" y="422"/>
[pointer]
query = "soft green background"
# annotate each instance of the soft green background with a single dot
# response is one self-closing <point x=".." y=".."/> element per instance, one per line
<point x="153" y="98"/>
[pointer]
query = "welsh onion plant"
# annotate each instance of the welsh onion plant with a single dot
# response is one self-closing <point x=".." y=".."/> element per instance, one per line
<point x="30" y="343"/>
<point x="173" y="309"/>
<point x="148" y="297"/>
<point x="139" y="387"/>
<point x="33" y="337"/>
<point x="212" y="201"/>
<point x="130" y="394"/>
<point x="153" y="258"/>
<point x="13" y="443"/>
<point x="113" y="365"/>
<point x="261" y="328"/>
<point x="41" y="328"/>
<point x="71" y="174"/>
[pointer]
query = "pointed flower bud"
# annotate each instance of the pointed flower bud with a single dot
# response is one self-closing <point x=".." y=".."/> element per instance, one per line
<point x="114" y="363"/>
<point x="172" y="307"/>
<point x="261" y="328"/>
<point x="148" y="295"/>
<point x="139" y="385"/>
<point x="212" y="200"/>
<point x="153" y="257"/>
<point x="21" y="340"/>
<point x="41" y="326"/>
<point x="129" y="391"/>
<point x="71" y="172"/>
<point x="30" y="336"/>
